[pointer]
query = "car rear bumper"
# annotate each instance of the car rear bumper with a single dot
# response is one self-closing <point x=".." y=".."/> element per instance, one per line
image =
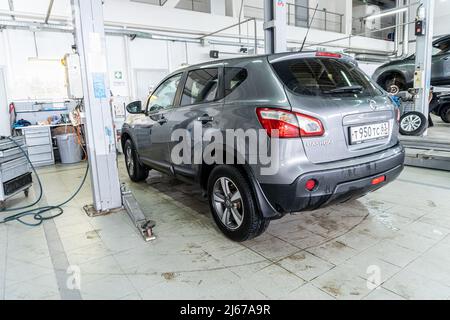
<point x="334" y="186"/>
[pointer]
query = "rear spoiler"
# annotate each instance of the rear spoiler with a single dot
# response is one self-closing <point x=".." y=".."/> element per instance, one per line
<point x="310" y="54"/>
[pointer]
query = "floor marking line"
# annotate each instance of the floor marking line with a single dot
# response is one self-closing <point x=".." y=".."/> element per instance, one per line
<point x="59" y="258"/>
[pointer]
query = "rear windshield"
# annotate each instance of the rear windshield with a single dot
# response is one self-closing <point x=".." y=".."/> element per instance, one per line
<point x="325" y="77"/>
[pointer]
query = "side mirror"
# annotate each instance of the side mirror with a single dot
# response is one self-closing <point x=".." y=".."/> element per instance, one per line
<point x="135" y="107"/>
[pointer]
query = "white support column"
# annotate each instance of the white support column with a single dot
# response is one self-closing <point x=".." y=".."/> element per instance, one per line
<point x="130" y="74"/>
<point x="275" y="27"/>
<point x="90" y="41"/>
<point x="348" y="17"/>
<point x="423" y="59"/>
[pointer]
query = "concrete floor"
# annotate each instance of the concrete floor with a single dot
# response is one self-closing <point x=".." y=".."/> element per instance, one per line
<point x="400" y="234"/>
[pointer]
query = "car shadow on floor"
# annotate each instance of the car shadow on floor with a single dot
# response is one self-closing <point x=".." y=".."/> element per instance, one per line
<point x="302" y="230"/>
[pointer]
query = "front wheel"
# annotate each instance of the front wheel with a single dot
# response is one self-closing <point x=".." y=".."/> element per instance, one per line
<point x="233" y="204"/>
<point x="136" y="171"/>
<point x="445" y="114"/>
<point x="413" y="124"/>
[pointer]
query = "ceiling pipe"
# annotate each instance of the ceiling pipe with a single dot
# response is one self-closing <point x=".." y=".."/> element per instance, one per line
<point x="405" y="39"/>
<point x="133" y="32"/>
<point x="119" y="25"/>
<point x="11" y="8"/>
<point x="63" y="24"/>
<point x="49" y="11"/>
<point x="109" y="31"/>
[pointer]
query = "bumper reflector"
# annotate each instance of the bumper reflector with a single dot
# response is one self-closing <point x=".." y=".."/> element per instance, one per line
<point x="311" y="184"/>
<point x="378" y="180"/>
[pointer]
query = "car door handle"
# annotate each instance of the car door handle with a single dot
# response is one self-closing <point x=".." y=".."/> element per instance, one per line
<point x="205" y="119"/>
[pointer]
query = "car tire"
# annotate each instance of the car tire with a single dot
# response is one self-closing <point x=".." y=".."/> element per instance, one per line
<point x="394" y="84"/>
<point x="233" y="204"/>
<point x="136" y="171"/>
<point x="445" y="113"/>
<point x="413" y="123"/>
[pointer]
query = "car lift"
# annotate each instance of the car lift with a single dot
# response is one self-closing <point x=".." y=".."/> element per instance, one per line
<point x="89" y="33"/>
<point x="424" y="151"/>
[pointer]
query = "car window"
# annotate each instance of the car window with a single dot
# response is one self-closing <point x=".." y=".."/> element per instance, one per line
<point x="163" y="97"/>
<point x="201" y="86"/>
<point x="325" y="77"/>
<point x="442" y="49"/>
<point x="233" y="78"/>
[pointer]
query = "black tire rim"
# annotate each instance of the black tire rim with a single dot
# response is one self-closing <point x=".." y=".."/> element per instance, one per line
<point x="227" y="203"/>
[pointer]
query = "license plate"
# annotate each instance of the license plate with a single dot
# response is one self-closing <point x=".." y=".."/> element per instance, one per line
<point x="369" y="132"/>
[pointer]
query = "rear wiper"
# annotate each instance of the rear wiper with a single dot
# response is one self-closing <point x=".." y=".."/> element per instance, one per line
<point x="349" y="89"/>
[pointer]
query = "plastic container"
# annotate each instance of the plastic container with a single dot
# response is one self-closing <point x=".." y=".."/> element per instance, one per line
<point x="69" y="149"/>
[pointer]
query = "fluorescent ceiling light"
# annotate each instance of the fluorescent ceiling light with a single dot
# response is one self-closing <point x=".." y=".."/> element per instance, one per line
<point x="386" y="13"/>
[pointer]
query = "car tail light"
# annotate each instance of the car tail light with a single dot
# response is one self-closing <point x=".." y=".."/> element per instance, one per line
<point x="311" y="184"/>
<point x="378" y="180"/>
<point x="289" y="124"/>
<point x="328" y="54"/>
<point x="309" y="126"/>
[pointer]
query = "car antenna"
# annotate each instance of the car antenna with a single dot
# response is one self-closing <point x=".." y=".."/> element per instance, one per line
<point x="309" y="27"/>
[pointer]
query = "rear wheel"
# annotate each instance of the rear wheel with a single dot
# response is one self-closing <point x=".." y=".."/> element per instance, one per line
<point x="136" y="171"/>
<point x="445" y="113"/>
<point x="413" y="124"/>
<point x="233" y="204"/>
<point x="394" y="84"/>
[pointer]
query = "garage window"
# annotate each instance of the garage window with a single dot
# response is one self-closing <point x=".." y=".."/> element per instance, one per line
<point x="201" y="86"/>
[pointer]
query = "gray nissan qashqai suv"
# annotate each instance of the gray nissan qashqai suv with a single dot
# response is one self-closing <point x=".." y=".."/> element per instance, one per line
<point x="335" y="130"/>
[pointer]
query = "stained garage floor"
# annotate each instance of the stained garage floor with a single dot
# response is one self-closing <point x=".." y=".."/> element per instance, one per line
<point x="392" y="244"/>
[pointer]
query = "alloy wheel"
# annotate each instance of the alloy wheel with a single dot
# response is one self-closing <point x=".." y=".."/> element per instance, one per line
<point x="228" y="203"/>
<point x="129" y="160"/>
<point x="411" y="123"/>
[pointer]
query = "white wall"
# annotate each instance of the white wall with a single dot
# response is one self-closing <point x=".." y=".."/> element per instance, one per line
<point x="27" y="77"/>
<point x="442" y="17"/>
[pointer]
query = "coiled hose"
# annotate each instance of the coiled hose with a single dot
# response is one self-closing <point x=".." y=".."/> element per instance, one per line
<point x="38" y="214"/>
